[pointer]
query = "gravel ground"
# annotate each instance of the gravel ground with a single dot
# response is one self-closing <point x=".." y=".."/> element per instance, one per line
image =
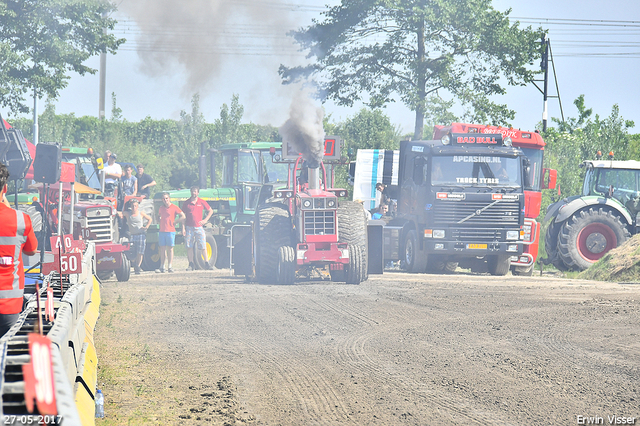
<point x="400" y="349"/>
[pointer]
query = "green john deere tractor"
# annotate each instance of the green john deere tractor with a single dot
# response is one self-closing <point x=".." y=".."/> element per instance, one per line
<point x="246" y="168"/>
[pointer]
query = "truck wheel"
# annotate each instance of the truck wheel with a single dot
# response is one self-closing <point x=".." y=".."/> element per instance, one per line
<point x="355" y="271"/>
<point x="124" y="272"/>
<point x="222" y="260"/>
<point x="551" y="245"/>
<point x="273" y="229"/>
<point x="151" y="259"/>
<point x="588" y="235"/>
<point x="414" y="262"/>
<point x="211" y="249"/>
<point x="286" y="265"/>
<point x="352" y="229"/>
<point x="499" y="265"/>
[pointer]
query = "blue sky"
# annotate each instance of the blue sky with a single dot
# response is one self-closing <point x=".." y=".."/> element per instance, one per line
<point x="596" y="46"/>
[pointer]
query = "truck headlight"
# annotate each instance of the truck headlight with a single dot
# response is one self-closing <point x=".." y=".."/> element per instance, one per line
<point x="306" y="204"/>
<point x="513" y="235"/>
<point x="438" y="233"/>
<point x="512" y="247"/>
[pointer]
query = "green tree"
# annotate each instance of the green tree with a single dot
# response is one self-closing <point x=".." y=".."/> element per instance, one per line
<point x="578" y="139"/>
<point x="227" y="127"/>
<point x="369" y="129"/>
<point x="42" y="40"/>
<point x="374" y="50"/>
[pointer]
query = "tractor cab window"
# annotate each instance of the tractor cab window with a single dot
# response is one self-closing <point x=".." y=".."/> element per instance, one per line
<point x="229" y="167"/>
<point x="275" y="172"/>
<point x="249" y="166"/>
<point x="621" y="183"/>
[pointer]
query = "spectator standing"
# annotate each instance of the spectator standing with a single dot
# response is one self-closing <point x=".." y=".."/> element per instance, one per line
<point x="112" y="173"/>
<point x="145" y="182"/>
<point x="136" y="222"/>
<point x="193" y="230"/>
<point x="129" y="182"/>
<point x="16" y="237"/>
<point x="168" y="215"/>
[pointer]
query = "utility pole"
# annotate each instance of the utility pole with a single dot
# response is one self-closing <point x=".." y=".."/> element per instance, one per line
<point x="35" y="116"/>
<point x="103" y="79"/>
<point x="544" y="64"/>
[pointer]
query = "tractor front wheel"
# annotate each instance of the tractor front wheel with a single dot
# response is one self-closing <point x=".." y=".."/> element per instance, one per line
<point x="124" y="272"/>
<point x="286" y="265"/>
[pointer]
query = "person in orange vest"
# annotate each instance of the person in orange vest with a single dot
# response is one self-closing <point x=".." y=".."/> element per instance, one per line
<point x="16" y="237"/>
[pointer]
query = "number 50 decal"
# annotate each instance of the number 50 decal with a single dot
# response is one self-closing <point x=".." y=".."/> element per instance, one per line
<point x="70" y="263"/>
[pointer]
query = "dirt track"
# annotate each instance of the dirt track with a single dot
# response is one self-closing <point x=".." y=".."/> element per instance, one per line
<point x="201" y="348"/>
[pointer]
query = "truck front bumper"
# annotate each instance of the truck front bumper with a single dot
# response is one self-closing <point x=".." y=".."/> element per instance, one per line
<point x="469" y="249"/>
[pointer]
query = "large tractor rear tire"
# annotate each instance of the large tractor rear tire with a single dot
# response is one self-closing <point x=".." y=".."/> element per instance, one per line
<point x="588" y="235"/>
<point x="439" y="265"/>
<point x="551" y="245"/>
<point x="286" y="265"/>
<point x="414" y="261"/>
<point x="34" y="214"/>
<point x="352" y="229"/>
<point x="273" y="230"/>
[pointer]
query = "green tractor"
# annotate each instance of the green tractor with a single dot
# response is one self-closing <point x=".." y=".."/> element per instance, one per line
<point x="246" y="168"/>
<point x="585" y="227"/>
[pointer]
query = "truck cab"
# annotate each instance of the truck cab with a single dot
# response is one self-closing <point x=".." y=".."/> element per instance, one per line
<point x="460" y="199"/>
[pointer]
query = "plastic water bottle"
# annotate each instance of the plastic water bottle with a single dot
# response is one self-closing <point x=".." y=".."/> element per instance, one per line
<point x="99" y="404"/>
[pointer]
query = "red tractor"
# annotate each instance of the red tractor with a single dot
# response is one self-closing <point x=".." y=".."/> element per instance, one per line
<point x="303" y="230"/>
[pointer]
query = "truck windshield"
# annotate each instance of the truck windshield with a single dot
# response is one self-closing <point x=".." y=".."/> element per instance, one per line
<point x="476" y="170"/>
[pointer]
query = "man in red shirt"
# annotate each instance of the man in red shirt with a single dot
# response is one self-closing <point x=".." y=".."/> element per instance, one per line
<point x="168" y="215"/>
<point x="193" y="230"/>
<point x="16" y="237"/>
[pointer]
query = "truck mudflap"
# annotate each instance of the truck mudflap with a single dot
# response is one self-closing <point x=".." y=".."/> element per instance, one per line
<point x="470" y="249"/>
<point x="308" y="253"/>
<point x="109" y="256"/>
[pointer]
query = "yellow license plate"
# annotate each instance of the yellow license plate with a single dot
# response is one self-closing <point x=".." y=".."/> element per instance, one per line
<point x="476" y="246"/>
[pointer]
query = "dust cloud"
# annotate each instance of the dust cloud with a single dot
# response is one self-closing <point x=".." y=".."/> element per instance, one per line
<point x="303" y="130"/>
<point x="203" y="35"/>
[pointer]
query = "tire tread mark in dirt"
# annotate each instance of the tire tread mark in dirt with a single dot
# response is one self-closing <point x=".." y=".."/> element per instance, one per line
<point x="320" y="402"/>
<point x="352" y="351"/>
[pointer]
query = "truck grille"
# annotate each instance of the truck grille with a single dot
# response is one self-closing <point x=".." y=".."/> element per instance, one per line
<point x="501" y="215"/>
<point x="319" y="222"/>
<point x="475" y="234"/>
<point x="99" y="222"/>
